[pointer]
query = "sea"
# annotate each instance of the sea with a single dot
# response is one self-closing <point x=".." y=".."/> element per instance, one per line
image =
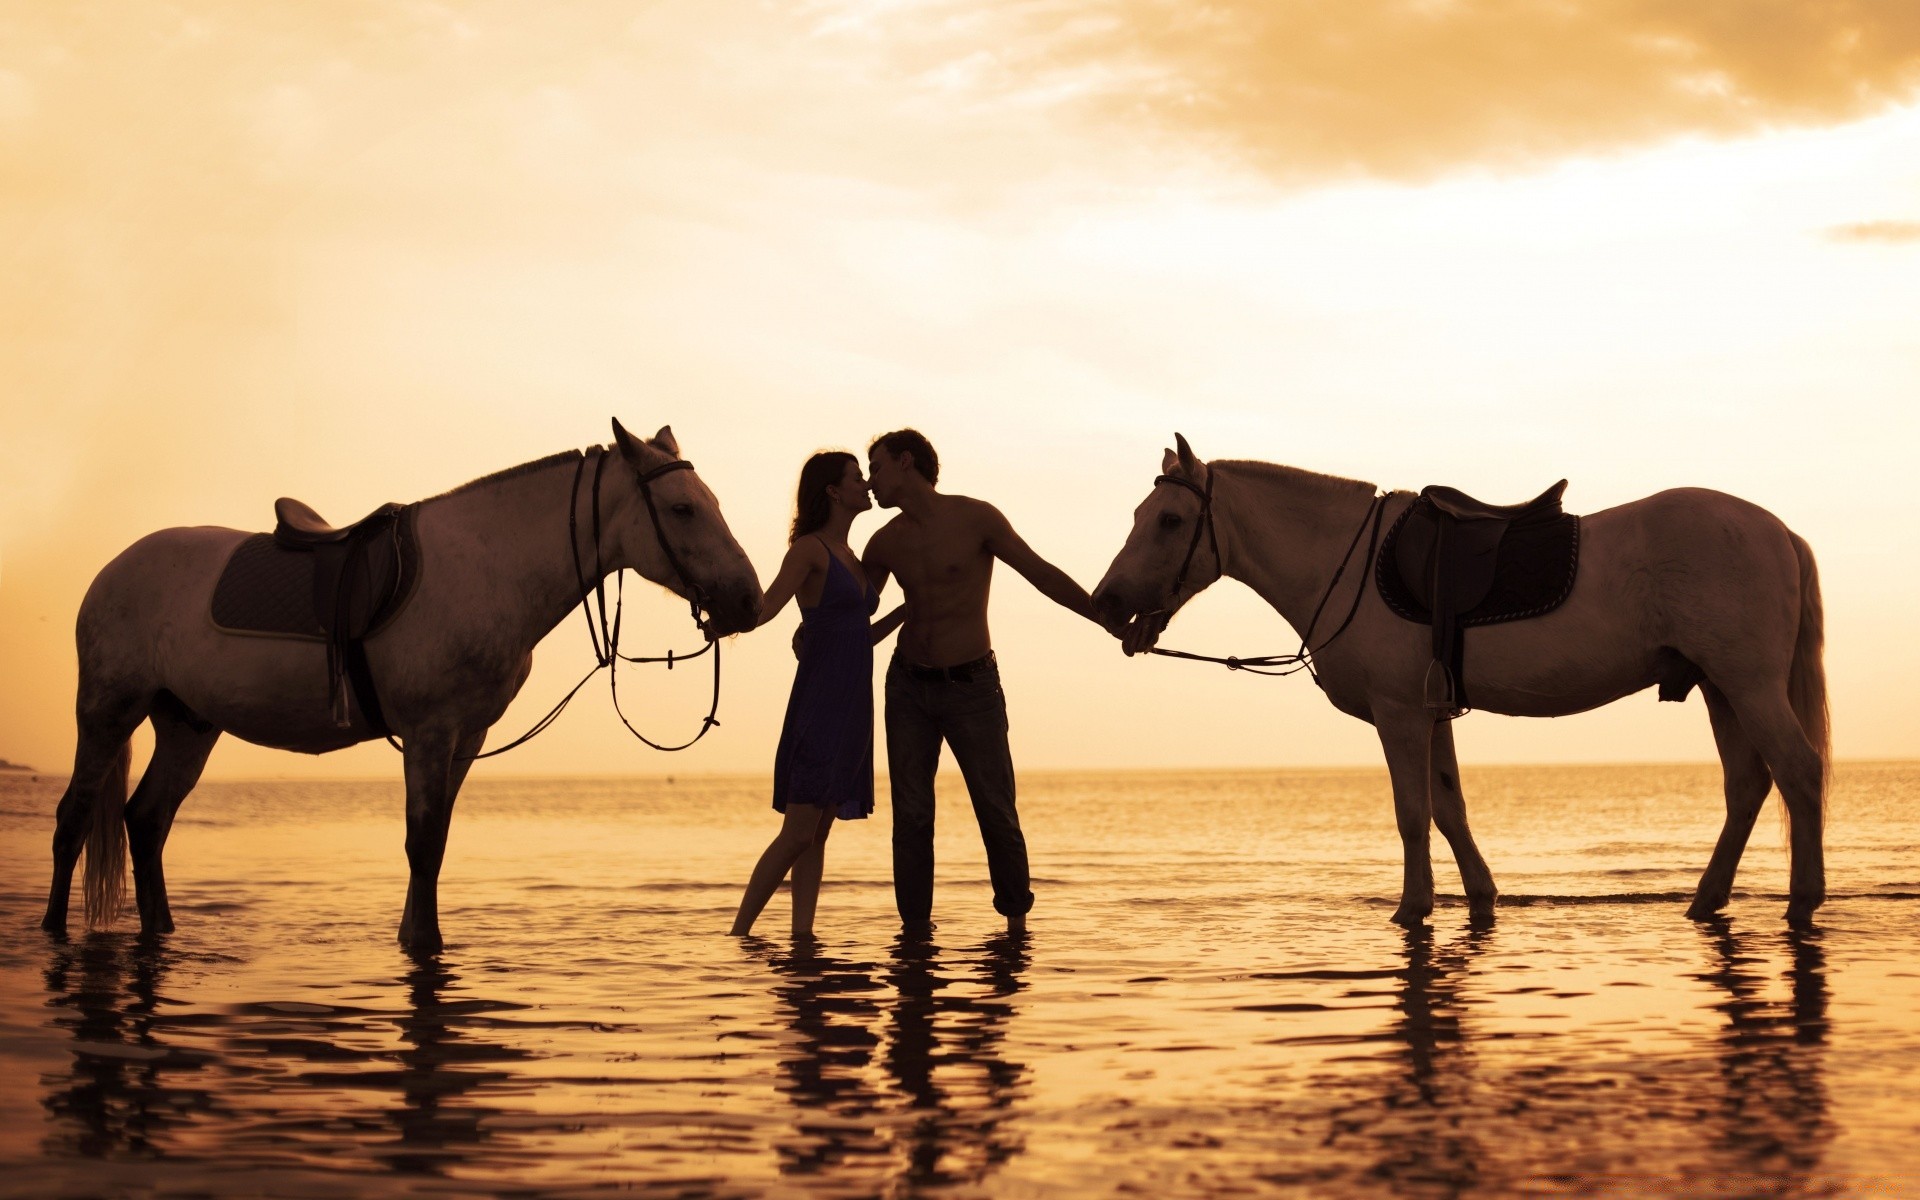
<point x="1210" y="1000"/>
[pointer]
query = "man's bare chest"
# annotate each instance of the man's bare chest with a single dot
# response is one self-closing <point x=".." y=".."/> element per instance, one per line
<point x="943" y="567"/>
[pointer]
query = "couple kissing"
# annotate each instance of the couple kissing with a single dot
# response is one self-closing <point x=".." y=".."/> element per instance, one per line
<point x="943" y="684"/>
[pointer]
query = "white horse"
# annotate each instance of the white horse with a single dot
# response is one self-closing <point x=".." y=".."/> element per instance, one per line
<point x="1683" y="577"/>
<point x="498" y="569"/>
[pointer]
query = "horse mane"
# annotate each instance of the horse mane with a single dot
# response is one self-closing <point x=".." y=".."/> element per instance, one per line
<point x="525" y="468"/>
<point x="1281" y="474"/>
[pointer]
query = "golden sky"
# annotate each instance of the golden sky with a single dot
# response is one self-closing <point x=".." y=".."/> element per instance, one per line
<point x="1638" y="243"/>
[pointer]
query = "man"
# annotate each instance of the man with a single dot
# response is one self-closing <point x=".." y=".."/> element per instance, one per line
<point x="943" y="683"/>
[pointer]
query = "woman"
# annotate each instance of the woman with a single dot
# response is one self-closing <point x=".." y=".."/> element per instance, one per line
<point x="824" y="767"/>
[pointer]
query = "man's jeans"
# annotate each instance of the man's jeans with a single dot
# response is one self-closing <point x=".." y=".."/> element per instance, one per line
<point x="971" y="717"/>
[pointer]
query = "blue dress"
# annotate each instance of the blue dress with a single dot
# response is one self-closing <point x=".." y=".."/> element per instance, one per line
<point x="826" y="745"/>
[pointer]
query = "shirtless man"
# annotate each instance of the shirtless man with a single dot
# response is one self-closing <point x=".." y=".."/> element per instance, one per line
<point x="943" y="683"/>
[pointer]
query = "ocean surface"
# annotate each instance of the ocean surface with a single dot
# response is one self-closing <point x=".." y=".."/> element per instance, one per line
<point x="1210" y="1001"/>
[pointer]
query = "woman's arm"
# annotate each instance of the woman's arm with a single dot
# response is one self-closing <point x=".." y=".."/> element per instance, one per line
<point x="887" y="624"/>
<point x="803" y="558"/>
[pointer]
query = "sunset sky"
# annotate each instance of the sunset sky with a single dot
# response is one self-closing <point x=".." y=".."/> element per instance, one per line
<point x="364" y="252"/>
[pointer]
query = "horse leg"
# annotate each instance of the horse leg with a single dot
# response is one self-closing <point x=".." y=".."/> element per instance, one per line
<point x="1767" y="718"/>
<point x="181" y="745"/>
<point x="436" y="766"/>
<point x="1406" y="735"/>
<point x="1450" y="814"/>
<point x="101" y="759"/>
<point x="1747" y="783"/>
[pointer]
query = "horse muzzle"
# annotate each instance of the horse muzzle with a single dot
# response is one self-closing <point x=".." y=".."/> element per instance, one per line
<point x="1112" y="610"/>
<point x="733" y="611"/>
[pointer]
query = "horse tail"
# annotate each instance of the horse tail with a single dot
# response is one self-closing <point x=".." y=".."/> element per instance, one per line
<point x="1807" y="677"/>
<point x="106" y="878"/>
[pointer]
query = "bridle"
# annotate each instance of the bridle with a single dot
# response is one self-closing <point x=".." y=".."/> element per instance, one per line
<point x="605" y="636"/>
<point x="1205" y="522"/>
<point x="1301" y="659"/>
<point x="602" y="646"/>
<point x="606" y="640"/>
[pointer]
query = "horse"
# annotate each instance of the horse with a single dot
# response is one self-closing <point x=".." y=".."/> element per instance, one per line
<point x="500" y="564"/>
<point x="1687" y="585"/>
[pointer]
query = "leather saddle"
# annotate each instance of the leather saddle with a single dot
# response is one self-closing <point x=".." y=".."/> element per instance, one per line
<point x="361" y="572"/>
<point x="310" y="580"/>
<point x="1453" y="561"/>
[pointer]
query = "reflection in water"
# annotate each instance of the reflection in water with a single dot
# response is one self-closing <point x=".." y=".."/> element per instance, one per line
<point x="1453" y="1116"/>
<point x="946" y="1055"/>
<point x="438" y="1127"/>
<point x="830" y="1006"/>
<point x="146" y="1067"/>
<point x="128" y="1088"/>
<point x="1771" y="1119"/>
<point x="1416" y="1128"/>
<point x="941" y="1115"/>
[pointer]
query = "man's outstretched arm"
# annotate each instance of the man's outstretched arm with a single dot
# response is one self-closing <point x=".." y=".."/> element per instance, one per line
<point x="1053" y="583"/>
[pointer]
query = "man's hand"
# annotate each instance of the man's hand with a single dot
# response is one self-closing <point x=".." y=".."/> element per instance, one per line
<point x="1140" y="636"/>
<point x="799" y="638"/>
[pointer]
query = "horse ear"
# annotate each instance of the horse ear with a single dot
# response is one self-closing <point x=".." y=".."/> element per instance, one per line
<point x="1168" y="461"/>
<point x="1187" y="461"/>
<point x="629" y="445"/>
<point x="664" y="440"/>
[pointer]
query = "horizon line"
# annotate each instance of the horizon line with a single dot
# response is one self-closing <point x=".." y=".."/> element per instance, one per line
<point x="954" y="772"/>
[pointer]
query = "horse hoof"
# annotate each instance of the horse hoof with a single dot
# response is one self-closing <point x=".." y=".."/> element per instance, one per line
<point x="1480" y="916"/>
<point x="423" y="943"/>
<point x="1705" y="909"/>
<point x="1409" y="918"/>
<point x="1800" y="913"/>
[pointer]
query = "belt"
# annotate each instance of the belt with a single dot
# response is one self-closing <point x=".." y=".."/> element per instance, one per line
<point x="958" y="673"/>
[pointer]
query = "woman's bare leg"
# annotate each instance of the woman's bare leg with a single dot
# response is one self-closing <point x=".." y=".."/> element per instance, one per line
<point x="807" y="871"/>
<point x="795" y="836"/>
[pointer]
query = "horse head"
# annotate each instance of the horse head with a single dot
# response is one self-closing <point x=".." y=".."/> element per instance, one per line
<point x="671" y="531"/>
<point x="1172" y="554"/>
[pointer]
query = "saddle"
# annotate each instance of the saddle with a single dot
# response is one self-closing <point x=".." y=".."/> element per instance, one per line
<point x="308" y="579"/>
<point x="1451" y="561"/>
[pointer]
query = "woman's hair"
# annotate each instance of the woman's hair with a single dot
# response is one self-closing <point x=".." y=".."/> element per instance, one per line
<point x="812" y="506"/>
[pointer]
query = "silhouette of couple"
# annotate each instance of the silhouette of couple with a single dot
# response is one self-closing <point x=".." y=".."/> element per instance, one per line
<point x="943" y="684"/>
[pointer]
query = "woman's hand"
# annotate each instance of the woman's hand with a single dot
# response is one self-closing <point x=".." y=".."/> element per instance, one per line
<point x="879" y="630"/>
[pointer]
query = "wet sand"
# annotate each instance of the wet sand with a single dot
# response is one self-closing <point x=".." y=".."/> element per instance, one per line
<point x="1210" y="1001"/>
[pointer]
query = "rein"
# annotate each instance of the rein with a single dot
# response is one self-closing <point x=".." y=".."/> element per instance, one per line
<point x="1301" y="659"/>
<point x="605" y="636"/>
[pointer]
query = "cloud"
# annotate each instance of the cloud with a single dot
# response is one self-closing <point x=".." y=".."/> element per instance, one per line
<point x="1411" y="89"/>
<point x="1893" y="232"/>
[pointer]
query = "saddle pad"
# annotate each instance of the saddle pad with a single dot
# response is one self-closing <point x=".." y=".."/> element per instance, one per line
<point x="265" y="589"/>
<point x="1533" y="576"/>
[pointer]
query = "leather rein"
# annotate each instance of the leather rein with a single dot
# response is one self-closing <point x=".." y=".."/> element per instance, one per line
<point x="1266" y="664"/>
<point x="605" y="636"/>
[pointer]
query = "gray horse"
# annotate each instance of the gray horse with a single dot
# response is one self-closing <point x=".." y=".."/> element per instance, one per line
<point x="1699" y="574"/>
<point x="496" y="574"/>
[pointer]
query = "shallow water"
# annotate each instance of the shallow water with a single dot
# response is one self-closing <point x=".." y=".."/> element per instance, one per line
<point x="1211" y="1001"/>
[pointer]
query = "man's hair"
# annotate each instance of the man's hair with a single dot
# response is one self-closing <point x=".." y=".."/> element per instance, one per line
<point x="915" y="443"/>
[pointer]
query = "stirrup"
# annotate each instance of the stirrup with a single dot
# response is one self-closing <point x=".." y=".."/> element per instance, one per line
<point x="1442" y="697"/>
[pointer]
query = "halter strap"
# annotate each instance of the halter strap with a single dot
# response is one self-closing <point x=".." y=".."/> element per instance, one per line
<point x="1206" y="519"/>
<point x="697" y="600"/>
